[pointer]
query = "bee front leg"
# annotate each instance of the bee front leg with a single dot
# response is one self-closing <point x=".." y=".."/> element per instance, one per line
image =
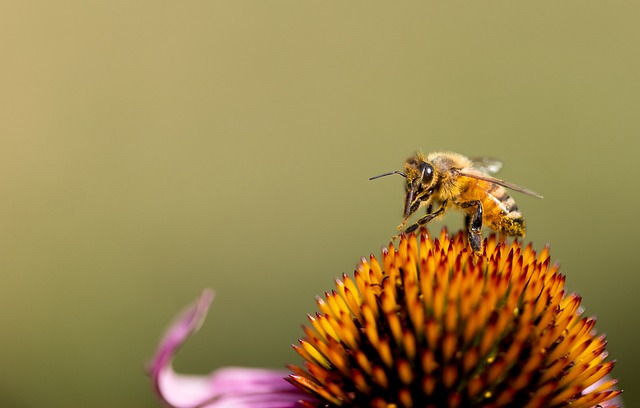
<point x="404" y="220"/>
<point x="427" y="218"/>
<point x="474" y="225"/>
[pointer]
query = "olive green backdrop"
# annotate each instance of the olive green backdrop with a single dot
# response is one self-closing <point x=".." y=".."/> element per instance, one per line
<point x="150" y="149"/>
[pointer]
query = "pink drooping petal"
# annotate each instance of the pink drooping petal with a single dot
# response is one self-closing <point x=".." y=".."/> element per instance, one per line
<point x="609" y="384"/>
<point x="227" y="387"/>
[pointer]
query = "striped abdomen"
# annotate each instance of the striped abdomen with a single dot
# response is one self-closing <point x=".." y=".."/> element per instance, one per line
<point x="500" y="211"/>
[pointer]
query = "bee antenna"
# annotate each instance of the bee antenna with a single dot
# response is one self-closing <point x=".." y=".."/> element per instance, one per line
<point x="388" y="174"/>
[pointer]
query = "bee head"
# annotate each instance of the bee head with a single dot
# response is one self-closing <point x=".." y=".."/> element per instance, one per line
<point x="420" y="182"/>
<point x="419" y="186"/>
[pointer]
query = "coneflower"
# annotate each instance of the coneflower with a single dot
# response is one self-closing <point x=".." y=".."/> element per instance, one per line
<point x="430" y="324"/>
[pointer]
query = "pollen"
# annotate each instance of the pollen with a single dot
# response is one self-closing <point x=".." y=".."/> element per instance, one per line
<point x="430" y="324"/>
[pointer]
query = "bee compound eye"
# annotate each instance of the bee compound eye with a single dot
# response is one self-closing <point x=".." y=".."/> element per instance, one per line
<point x="427" y="172"/>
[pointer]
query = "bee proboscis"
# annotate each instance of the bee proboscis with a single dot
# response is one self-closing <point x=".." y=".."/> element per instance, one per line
<point x="451" y="180"/>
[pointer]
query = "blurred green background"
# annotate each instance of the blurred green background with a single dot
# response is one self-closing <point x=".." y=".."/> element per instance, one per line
<point x="151" y="149"/>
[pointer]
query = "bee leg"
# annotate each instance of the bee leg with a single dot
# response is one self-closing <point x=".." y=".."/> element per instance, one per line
<point x="415" y="226"/>
<point x="467" y="221"/>
<point x="427" y="218"/>
<point x="474" y="225"/>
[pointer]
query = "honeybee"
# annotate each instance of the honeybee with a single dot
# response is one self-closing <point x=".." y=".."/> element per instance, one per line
<point x="452" y="180"/>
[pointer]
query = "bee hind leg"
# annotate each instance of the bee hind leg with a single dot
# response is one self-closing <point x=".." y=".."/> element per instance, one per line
<point x="474" y="224"/>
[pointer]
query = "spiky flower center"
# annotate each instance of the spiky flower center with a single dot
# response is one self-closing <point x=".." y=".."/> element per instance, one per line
<point x="435" y="325"/>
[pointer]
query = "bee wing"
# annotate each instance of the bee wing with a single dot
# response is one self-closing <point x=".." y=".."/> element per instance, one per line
<point x="500" y="182"/>
<point x="488" y="165"/>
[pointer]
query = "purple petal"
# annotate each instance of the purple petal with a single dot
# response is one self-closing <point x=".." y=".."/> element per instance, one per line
<point x="615" y="402"/>
<point x="227" y="387"/>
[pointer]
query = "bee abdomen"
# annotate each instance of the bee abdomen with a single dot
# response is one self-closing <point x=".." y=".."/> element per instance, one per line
<point x="510" y="206"/>
<point x="502" y="214"/>
<point x="503" y="200"/>
<point x="513" y="224"/>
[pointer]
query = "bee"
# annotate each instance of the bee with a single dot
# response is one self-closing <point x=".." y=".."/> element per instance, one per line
<point x="449" y="180"/>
